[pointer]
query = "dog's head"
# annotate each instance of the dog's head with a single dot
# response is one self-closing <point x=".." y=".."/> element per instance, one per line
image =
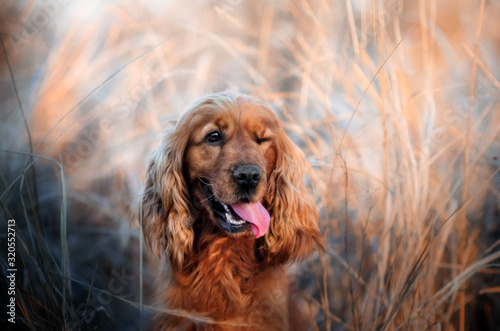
<point x="229" y="164"/>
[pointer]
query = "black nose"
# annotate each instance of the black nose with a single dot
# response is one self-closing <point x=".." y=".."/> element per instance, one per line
<point x="247" y="176"/>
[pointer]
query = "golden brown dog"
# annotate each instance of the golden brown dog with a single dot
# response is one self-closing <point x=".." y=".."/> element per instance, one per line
<point x="224" y="200"/>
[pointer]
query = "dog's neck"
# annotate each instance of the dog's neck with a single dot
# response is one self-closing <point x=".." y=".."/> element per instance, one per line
<point x="222" y="258"/>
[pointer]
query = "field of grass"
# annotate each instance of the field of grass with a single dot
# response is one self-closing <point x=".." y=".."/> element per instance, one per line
<point x="396" y="104"/>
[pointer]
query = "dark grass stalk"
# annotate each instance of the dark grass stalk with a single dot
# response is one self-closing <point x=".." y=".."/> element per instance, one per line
<point x="354" y="311"/>
<point x="91" y="286"/>
<point x="361" y="260"/>
<point x="36" y="210"/>
<point x="64" y="242"/>
<point x="325" y="298"/>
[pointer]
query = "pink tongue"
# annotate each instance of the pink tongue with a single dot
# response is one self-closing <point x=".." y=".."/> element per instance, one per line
<point x="255" y="214"/>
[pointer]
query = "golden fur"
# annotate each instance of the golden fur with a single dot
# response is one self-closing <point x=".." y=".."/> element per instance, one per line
<point x="231" y="278"/>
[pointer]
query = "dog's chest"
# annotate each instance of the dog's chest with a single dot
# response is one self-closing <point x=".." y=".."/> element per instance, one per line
<point x="229" y="282"/>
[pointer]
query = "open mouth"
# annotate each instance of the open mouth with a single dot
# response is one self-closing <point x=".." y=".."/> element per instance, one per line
<point x="229" y="220"/>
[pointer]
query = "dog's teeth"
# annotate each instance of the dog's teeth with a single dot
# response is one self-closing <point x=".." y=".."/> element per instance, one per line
<point x="229" y="217"/>
<point x="231" y="220"/>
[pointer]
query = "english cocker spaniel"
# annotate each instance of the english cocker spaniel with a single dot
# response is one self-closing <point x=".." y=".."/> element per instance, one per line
<point x="225" y="203"/>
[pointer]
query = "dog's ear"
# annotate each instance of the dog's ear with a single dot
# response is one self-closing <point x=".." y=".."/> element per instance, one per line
<point x="166" y="218"/>
<point x="294" y="217"/>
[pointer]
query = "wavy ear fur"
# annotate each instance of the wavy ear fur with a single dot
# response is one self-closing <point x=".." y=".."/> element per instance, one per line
<point x="294" y="216"/>
<point x="166" y="216"/>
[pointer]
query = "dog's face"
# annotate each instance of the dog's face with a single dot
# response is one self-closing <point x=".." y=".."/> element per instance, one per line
<point x="229" y="167"/>
<point x="230" y="155"/>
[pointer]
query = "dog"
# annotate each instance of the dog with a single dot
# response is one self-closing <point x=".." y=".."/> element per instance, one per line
<point x="225" y="204"/>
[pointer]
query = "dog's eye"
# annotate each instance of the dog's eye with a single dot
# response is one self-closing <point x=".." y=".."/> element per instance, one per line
<point x="262" y="140"/>
<point x="213" y="137"/>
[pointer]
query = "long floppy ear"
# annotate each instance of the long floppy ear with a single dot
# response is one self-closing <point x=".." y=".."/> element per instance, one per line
<point x="166" y="217"/>
<point x="294" y="216"/>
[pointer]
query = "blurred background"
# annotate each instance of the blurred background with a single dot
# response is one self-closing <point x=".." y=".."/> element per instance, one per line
<point x="395" y="103"/>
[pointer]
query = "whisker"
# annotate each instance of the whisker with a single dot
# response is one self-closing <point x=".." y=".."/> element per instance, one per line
<point x="208" y="198"/>
<point x="201" y="180"/>
<point x="208" y="184"/>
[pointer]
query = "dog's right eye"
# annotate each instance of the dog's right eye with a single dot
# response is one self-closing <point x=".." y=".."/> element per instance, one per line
<point x="213" y="137"/>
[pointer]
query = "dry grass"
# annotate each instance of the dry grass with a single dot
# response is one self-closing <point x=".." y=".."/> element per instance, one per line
<point x="395" y="103"/>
